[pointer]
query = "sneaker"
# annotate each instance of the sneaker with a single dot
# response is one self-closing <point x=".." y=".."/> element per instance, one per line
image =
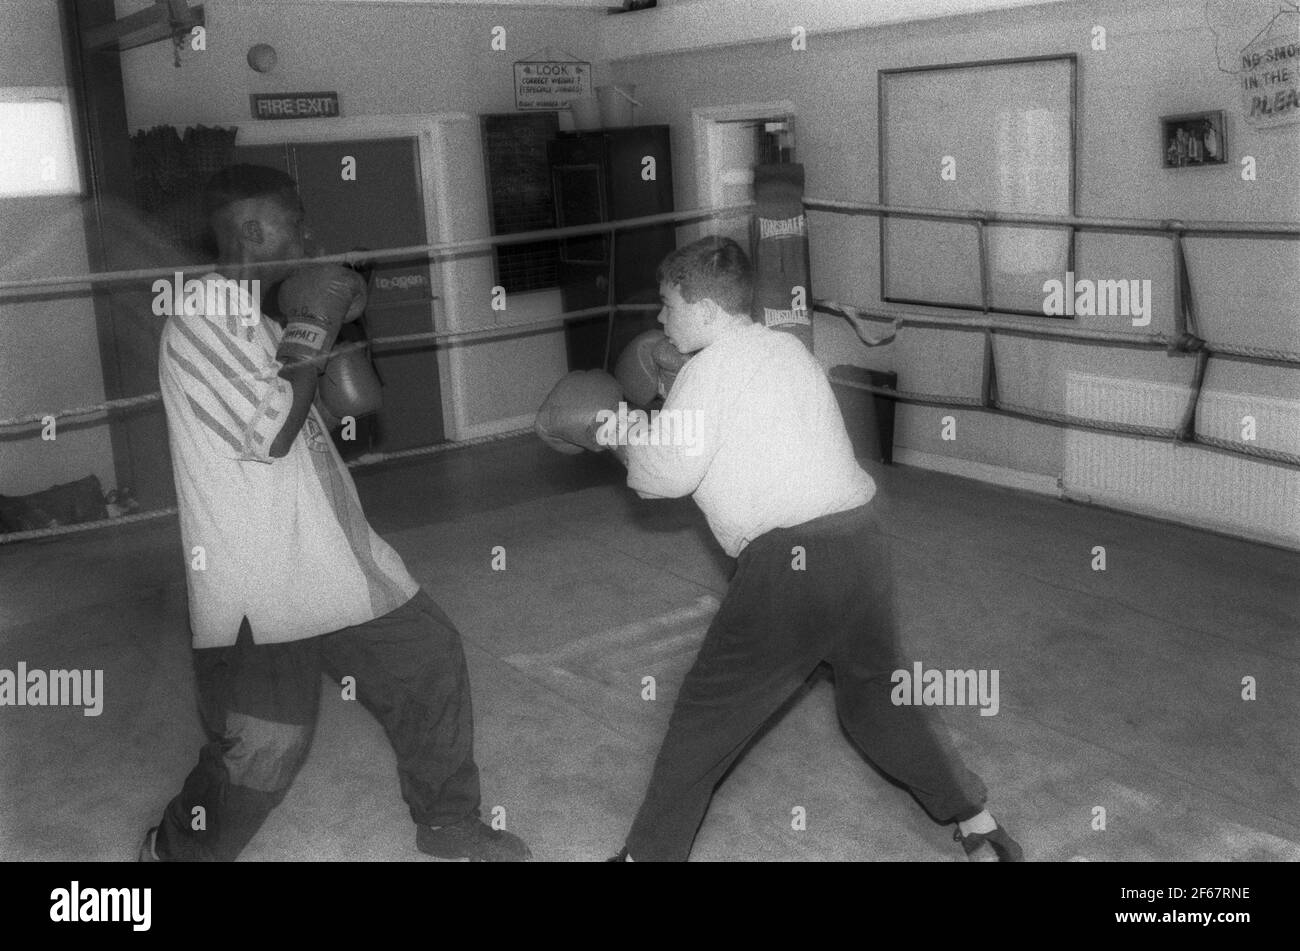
<point x="149" y="847"/>
<point x="471" y="840"/>
<point x="995" y="846"/>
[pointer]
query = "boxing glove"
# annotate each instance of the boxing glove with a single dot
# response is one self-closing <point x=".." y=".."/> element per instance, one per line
<point x="567" y="420"/>
<point x="668" y="361"/>
<point x="316" y="301"/>
<point x="636" y="369"/>
<point x="349" y="387"/>
<point x="648" y="366"/>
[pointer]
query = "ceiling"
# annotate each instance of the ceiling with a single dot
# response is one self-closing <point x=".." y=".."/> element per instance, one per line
<point x="677" y="25"/>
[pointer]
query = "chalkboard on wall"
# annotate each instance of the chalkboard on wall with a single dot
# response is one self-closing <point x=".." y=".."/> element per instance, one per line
<point x="519" y="188"/>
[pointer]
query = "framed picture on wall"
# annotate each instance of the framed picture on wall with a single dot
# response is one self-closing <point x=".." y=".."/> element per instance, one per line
<point x="1194" y="140"/>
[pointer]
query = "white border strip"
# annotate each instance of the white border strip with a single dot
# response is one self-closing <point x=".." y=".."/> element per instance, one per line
<point x="982" y="471"/>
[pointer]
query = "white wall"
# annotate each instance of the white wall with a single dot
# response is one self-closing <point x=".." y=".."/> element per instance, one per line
<point x="49" y="352"/>
<point x="1160" y="59"/>
<point x="388" y="59"/>
<point x="418" y="58"/>
<point x="676" y="25"/>
<point x="382" y="58"/>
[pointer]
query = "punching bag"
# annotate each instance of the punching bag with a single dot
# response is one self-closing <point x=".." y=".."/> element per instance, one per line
<point x="779" y="238"/>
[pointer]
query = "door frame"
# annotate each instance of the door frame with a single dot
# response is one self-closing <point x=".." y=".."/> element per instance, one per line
<point x="704" y="118"/>
<point x="447" y="217"/>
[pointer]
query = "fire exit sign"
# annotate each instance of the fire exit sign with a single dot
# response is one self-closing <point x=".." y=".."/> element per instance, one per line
<point x="294" y="105"/>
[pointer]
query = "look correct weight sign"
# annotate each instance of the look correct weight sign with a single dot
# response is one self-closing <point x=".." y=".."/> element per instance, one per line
<point x="551" y="84"/>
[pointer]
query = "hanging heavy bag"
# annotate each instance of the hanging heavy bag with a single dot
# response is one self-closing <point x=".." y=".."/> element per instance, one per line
<point x="782" y="297"/>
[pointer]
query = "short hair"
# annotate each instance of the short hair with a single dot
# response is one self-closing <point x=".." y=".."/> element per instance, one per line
<point x="716" y="268"/>
<point x="242" y="182"/>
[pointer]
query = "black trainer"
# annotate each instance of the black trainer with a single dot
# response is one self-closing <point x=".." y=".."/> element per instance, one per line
<point x="471" y="840"/>
<point x="995" y="846"/>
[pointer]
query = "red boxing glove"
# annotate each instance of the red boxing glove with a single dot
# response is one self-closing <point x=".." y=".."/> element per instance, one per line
<point x="569" y="417"/>
<point x="316" y="301"/>
<point x="636" y="371"/>
<point x="648" y="366"/>
<point x="668" y="360"/>
<point x="349" y="386"/>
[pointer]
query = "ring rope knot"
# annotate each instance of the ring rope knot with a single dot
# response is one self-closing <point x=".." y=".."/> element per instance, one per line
<point x="1186" y="343"/>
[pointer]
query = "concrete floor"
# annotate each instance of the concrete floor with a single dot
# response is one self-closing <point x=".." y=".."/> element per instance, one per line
<point x="1118" y="689"/>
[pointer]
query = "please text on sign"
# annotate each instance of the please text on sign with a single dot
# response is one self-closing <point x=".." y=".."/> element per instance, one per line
<point x="1270" y="80"/>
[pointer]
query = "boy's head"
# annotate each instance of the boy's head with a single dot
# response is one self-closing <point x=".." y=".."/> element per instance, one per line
<point x="255" y="215"/>
<point x="706" y="287"/>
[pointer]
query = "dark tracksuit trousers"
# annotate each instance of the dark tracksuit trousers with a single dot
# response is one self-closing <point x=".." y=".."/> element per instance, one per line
<point x="259" y="704"/>
<point x="775" y="625"/>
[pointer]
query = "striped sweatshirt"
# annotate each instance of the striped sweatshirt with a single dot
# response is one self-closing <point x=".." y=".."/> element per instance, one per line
<point x="282" y="542"/>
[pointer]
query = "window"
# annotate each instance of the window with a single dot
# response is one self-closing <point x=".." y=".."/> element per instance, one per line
<point x="38" y="154"/>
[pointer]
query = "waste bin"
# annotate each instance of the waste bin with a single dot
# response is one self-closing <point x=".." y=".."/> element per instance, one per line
<point x="869" y="417"/>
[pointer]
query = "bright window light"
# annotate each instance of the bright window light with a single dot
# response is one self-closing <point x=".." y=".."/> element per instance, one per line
<point x="37" y="151"/>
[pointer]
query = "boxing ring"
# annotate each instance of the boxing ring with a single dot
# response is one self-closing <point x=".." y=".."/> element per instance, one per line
<point x="1186" y="340"/>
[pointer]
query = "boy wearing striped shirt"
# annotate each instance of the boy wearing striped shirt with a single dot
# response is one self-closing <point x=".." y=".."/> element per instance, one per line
<point x="286" y="578"/>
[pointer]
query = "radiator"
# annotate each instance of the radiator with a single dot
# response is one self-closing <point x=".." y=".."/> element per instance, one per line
<point x="1180" y="482"/>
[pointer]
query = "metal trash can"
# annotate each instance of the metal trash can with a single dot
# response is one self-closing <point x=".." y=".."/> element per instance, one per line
<point x="869" y="417"/>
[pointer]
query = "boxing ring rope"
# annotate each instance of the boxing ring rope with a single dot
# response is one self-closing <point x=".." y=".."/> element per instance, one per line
<point x="13" y="288"/>
<point x="356" y="258"/>
<point x="352" y="258"/>
<point x="1185" y="341"/>
<point x="1266" y="229"/>
<point x="1175" y="228"/>
<point x="448" y="336"/>
<point x="351" y="464"/>
<point x="9" y="288"/>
